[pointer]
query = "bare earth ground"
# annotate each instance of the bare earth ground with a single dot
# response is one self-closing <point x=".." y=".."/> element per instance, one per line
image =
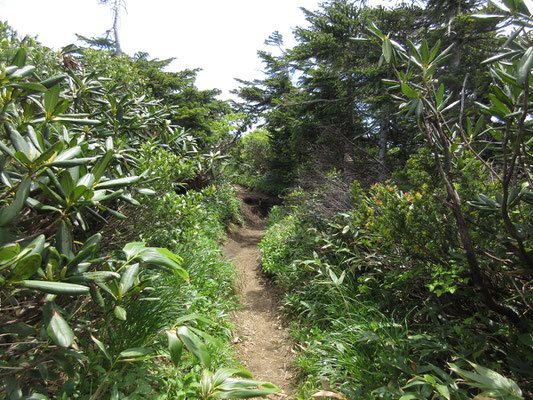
<point x="262" y="341"/>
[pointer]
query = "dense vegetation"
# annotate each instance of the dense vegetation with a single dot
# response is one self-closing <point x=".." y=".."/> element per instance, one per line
<point x="401" y="140"/>
<point x="110" y="223"/>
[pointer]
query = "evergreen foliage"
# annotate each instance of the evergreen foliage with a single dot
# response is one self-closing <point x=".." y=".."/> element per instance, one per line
<point x="401" y="139"/>
<point x="413" y="281"/>
<point x="111" y="213"/>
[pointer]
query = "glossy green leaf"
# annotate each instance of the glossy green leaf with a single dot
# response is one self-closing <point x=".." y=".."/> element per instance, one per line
<point x="375" y="30"/>
<point x="145" y="191"/>
<point x="195" y="345"/>
<point x="386" y="48"/>
<point x="19" y="59"/>
<point x="222" y="374"/>
<point x="412" y="94"/>
<point x="449" y="107"/>
<point x="502" y="108"/>
<point x="114" y="395"/>
<point x="67" y="183"/>
<point x="95" y="276"/>
<point x="8" y="70"/>
<point x="84" y="184"/>
<point x="23" y="72"/>
<point x="414" y="51"/>
<point x="52" y="195"/>
<point x="50" y="153"/>
<point x="12" y="388"/>
<point x="78" y="192"/>
<point x="37" y="245"/>
<point x="96" y="296"/>
<point x="502" y="96"/>
<point x="136" y="353"/>
<point x="100" y="167"/>
<point x="127" y="197"/>
<point x="55" y="287"/>
<point x="64" y="239"/>
<point x="9" y="251"/>
<point x="102" y="348"/>
<point x="116" y="214"/>
<point x="120" y="313"/>
<point x="164" y="257"/>
<point x="104" y="195"/>
<point x="87" y="250"/>
<point x="495" y="17"/>
<point x="129" y="276"/>
<point x="443" y="391"/>
<point x="80" y="121"/>
<point x="5" y="149"/>
<point x="419" y="108"/>
<point x="193" y="317"/>
<point x="24" y="158"/>
<point x="68" y="154"/>
<point x="443" y="55"/>
<point x="498" y="381"/>
<point x="424" y="51"/>
<point x="498" y="57"/>
<point x="120" y="182"/>
<point x="434" y="51"/>
<point x="17" y="140"/>
<point x="216" y="343"/>
<point x="18" y="328"/>
<point x="53" y="80"/>
<point x="524" y="67"/>
<point x="86" y="180"/>
<point x="132" y="249"/>
<point x="29" y="86"/>
<point x="175" y="347"/>
<point x="36" y="138"/>
<point x="415" y="104"/>
<point x="59" y="330"/>
<point x="109" y="145"/>
<point x="409" y="396"/>
<point x="26" y="267"/>
<point x="8" y="213"/>
<point x="440" y="95"/>
<point x="51" y="99"/>
<point x="479" y="125"/>
<point x="234" y="384"/>
<point x="71" y="163"/>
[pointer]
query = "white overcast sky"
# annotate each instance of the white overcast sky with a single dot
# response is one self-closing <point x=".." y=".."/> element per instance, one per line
<point x="219" y="36"/>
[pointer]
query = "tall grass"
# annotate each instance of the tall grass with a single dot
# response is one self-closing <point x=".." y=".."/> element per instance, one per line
<point x="192" y="226"/>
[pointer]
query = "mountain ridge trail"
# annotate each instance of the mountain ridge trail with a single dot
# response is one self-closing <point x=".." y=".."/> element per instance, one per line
<point x="261" y="339"/>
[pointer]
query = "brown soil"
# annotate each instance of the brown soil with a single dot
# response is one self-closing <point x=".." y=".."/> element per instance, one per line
<point x="261" y="339"/>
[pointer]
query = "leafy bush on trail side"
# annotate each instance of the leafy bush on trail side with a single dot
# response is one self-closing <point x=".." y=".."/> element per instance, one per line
<point x="377" y="314"/>
<point x="90" y="307"/>
<point x="425" y="285"/>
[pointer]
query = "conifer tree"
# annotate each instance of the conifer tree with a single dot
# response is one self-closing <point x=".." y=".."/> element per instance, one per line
<point x="116" y="7"/>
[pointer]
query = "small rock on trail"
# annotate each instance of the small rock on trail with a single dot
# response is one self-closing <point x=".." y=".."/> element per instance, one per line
<point x="261" y="339"/>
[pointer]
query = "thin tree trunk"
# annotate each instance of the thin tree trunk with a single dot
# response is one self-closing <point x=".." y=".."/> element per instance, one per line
<point x="383" y="139"/>
<point x="116" y="8"/>
<point x="433" y="133"/>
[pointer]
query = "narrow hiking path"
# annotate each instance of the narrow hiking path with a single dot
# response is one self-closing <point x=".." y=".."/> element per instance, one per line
<point x="262" y="341"/>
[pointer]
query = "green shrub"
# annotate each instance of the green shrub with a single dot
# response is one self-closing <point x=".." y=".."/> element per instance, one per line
<point x="93" y="301"/>
<point x="380" y="313"/>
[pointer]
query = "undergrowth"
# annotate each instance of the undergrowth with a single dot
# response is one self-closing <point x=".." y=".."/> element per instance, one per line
<point x="192" y="226"/>
<point x="376" y="314"/>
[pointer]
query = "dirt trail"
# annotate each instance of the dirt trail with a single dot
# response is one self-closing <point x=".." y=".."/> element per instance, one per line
<point x="262" y="341"/>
